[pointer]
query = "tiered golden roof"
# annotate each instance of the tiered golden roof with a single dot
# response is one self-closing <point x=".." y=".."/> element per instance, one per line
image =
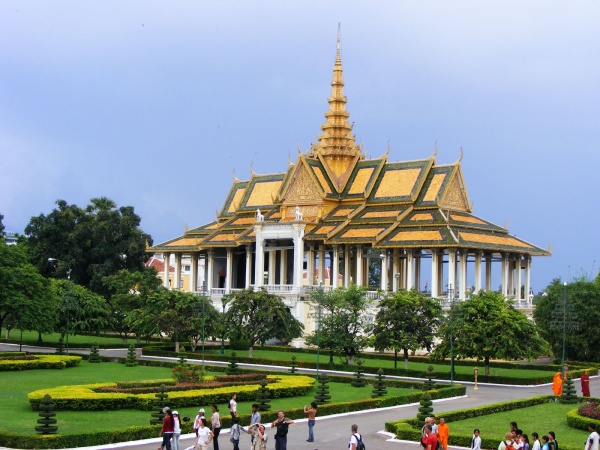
<point x="347" y="199"/>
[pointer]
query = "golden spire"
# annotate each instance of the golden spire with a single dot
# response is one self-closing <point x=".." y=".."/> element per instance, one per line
<point x="337" y="138"/>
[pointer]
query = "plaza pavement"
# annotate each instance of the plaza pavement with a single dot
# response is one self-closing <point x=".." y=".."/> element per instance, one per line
<point x="333" y="432"/>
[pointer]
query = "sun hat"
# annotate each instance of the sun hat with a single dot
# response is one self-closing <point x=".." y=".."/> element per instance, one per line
<point x="201" y="410"/>
<point x="166" y="409"/>
<point x="175" y="413"/>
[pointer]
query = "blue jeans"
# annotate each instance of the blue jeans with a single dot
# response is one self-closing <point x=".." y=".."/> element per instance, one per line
<point x="166" y="443"/>
<point x="280" y="442"/>
<point x="176" y="441"/>
<point x="311" y="436"/>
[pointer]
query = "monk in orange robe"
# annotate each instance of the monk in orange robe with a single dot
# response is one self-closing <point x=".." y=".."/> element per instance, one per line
<point x="585" y="384"/>
<point x="557" y="384"/>
<point x="443" y="433"/>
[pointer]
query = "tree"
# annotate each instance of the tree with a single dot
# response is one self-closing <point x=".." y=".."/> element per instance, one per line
<point x="92" y="241"/>
<point x="25" y="298"/>
<point x="487" y="326"/>
<point x="1" y="226"/>
<point x="582" y="342"/>
<point x="129" y="291"/>
<point x="257" y="316"/>
<point x="345" y="325"/>
<point x="406" y="321"/>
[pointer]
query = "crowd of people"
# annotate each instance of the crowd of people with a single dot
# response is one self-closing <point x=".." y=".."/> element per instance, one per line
<point x="435" y="437"/>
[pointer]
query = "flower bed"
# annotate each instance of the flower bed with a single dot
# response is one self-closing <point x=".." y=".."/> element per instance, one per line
<point x="40" y="362"/>
<point x="86" y="398"/>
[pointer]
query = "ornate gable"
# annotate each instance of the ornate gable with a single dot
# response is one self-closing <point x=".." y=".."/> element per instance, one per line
<point x="455" y="197"/>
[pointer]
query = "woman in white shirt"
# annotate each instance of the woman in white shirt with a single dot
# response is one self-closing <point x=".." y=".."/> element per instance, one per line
<point x="216" y="426"/>
<point x="233" y="405"/>
<point x="176" y="430"/>
<point x="204" y="435"/>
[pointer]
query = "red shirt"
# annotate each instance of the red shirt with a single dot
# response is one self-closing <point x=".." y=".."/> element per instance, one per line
<point x="431" y="440"/>
<point x="167" y="425"/>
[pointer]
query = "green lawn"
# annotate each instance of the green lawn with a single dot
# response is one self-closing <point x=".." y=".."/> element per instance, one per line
<point x="377" y="363"/>
<point x="540" y="418"/>
<point x="14" y="387"/>
<point x="31" y="337"/>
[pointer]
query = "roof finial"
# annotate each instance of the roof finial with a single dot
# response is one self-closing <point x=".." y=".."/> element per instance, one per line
<point x="339" y="43"/>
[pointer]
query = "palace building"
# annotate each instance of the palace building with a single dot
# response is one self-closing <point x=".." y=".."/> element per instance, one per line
<point x="333" y="214"/>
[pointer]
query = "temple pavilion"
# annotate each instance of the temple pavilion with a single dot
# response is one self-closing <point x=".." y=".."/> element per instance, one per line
<point x="333" y="215"/>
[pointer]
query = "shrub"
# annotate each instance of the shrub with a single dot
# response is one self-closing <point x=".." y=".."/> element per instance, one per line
<point x="589" y="410"/>
<point x="379" y="389"/>
<point x="94" y="354"/>
<point x="131" y="360"/>
<point x="47" y="414"/>
<point x="426" y="408"/>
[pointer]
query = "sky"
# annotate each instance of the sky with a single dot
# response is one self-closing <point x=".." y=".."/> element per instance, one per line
<point x="155" y="104"/>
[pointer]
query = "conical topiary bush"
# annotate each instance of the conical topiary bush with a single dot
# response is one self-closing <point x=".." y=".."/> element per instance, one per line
<point x="569" y="393"/>
<point x="232" y="367"/>
<point x="429" y="384"/>
<point x="379" y="389"/>
<point x="322" y="396"/>
<point x="426" y="408"/>
<point x="293" y="364"/>
<point x="60" y="347"/>
<point x="94" y="354"/>
<point x="263" y="397"/>
<point x="158" y="405"/>
<point x="131" y="360"/>
<point x="359" y="378"/>
<point x="47" y="421"/>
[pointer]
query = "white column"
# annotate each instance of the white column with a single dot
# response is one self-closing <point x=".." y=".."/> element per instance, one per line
<point x="282" y="267"/>
<point x="359" y="265"/>
<point x="410" y="278"/>
<point x="452" y="269"/>
<point x="505" y="274"/>
<point x="334" y="267"/>
<point x="167" y="266"/>
<point x="347" y="266"/>
<point x="272" y="266"/>
<point x="518" y="274"/>
<point x="435" y="256"/>
<point x="477" y="287"/>
<point x="384" y="272"/>
<point x="298" y="254"/>
<point x="488" y="273"/>
<point x="322" y="264"/>
<point x="229" y="272"/>
<point x="194" y="273"/>
<point x="463" y="274"/>
<point x="310" y="266"/>
<point x="418" y="272"/>
<point x="248" y="266"/>
<point x="177" y="278"/>
<point x="209" y="275"/>
<point x="527" y="277"/>
<point x="395" y="271"/>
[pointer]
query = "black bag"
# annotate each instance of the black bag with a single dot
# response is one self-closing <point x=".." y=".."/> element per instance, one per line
<point x="360" y="445"/>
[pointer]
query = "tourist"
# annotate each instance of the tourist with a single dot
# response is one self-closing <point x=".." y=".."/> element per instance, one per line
<point x="585" y="384"/>
<point x="259" y="437"/>
<point x="557" y="384"/>
<point x="235" y="433"/>
<point x="475" y="440"/>
<point x="197" y="420"/>
<point x="254" y="419"/>
<point x="233" y="405"/>
<point x="176" y="430"/>
<point x="312" y="413"/>
<point x="536" y="441"/>
<point x="167" y="429"/>
<point x="354" y="437"/>
<point x="516" y="437"/>
<point x="552" y="442"/>
<point x="513" y="426"/>
<point x="443" y="433"/>
<point x="525" y="441"/>
<point x="282" y="423"/>
<point x="204" y="436"/>
<point x="216" y="426"/>
<point x="434" y="427"/>
<point x="431" y="439"/>
<point x="545" y="443"/>
<point x="592" y="442"/>
<point x="507" y="443"/>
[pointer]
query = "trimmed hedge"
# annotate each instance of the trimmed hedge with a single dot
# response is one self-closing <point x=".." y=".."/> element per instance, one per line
<point x="84" y="398"/>
<point x="150" y="351"/>
<point x="40" y="362"/>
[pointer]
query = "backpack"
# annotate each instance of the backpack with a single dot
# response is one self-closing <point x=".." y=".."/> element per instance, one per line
<point x="509" y="446"/>
<point x="360" y="445"/>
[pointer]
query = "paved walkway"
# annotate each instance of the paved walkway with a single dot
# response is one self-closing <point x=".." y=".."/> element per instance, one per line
<point x="333" y="432"/>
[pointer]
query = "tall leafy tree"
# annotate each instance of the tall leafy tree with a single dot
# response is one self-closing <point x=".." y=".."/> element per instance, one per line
<point x="406" y="320"/>
<point x="257" y="316"/>
<point x="487" y="326"/>
<point x="129" y="291"/>
<point x="345" y="322"/>
<point x="578" y="317"/>
<point x="94" y="242"/>
<point x="1" y="226"/>
<point x="25" y="298"/>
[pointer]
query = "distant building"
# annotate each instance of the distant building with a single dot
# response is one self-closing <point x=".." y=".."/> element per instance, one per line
<point x="185" y="269"/>
<point x="10" y="238"/>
